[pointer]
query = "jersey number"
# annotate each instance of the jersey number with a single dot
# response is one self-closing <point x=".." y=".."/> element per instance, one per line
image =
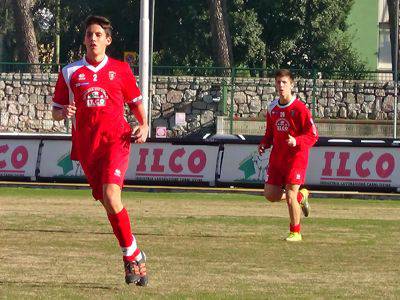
<point x="94" y="77"/>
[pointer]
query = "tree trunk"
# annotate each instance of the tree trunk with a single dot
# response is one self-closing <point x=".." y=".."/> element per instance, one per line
<point x="220" y="33"/>
<point x="392" y="6"/>
<point x="26" y="38"/>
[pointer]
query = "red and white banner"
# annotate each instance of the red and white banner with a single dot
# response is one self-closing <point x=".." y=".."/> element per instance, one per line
<point x="354" y="166"/>
<point x="328" y="166"/>
<point x="168" y="162"/>
<point x="18" y="157"/>
<point x="336" y="166"/>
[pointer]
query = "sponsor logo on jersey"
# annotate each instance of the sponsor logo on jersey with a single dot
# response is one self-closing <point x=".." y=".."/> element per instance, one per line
<point x="81" y="76"/>
<point x="95" y="97"/>
<point x="282" y="114"/>
<point x="81" y="83"/>
<point x="282" y="125"/>
<point x="117" y="172"/>
<point x="111" y="75"/>
<point x="298" y="176"/>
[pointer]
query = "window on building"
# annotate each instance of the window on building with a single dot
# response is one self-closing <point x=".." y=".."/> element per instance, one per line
<point x="384" y="52"/>
<point x="384" y="55"/>
<point x="383" y="12"/>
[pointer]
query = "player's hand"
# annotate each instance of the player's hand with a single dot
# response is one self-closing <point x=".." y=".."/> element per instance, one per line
<point x="69" y="111"/>
<point x="261" y="149"/>
<point x="291" y="141"/>
<point x="140" y="133"/>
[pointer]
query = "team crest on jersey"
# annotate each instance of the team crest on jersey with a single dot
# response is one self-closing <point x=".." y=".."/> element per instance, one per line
<point x="81" y="76"/>
<point x="117" y="172"/>
<point x="282" y="125"/>
<point x="95" y="97"/>
<point x="111" y="75"/>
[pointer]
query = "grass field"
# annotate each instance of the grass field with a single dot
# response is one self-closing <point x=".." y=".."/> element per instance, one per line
<point x="58" y="244"/>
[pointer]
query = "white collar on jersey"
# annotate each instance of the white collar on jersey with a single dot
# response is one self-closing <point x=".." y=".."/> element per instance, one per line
<point x="98" y="67"/>
<point x="287" y="104"/>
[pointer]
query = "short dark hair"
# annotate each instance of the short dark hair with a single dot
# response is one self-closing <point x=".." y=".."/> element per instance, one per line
<point x="284" y="72"/>
<point x="103" y="22"/>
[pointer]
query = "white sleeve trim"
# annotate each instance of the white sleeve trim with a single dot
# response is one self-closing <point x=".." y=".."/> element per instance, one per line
<point x="137" y="99"/>
<point x="57" y="105"/>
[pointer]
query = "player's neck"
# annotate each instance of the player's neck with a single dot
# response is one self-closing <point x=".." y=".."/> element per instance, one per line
<point x="95" y="60"/>
<point x="283" y="100"/>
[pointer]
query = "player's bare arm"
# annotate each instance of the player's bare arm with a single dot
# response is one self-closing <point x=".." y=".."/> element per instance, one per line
<point x="140" y="132"/>
<point x="66" y="112"/>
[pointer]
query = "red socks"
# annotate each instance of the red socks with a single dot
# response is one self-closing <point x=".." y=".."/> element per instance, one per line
<point x="299" y="197"/>
<point x="295" y="228"/>
<point x="121" y="225"/>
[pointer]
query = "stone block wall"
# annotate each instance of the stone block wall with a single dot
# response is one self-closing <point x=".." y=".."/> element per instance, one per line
<point x="25" y="101"/>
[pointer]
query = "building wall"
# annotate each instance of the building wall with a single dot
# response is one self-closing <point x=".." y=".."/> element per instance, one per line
<point x="363" y="25"/>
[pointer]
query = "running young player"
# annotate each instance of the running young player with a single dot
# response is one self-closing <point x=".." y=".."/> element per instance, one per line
<point x="291" y="133"/>
<point x="92" y="92"/>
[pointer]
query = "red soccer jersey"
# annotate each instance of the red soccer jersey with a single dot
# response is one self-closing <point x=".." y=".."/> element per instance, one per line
<point x="99" y="93"/>
<point x="295" y="119"/>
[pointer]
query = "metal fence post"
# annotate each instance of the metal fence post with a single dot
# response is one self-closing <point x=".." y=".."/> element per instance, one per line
<point x="314" y="76"/>
<point x="233" y="75"/>
<point x="67" y="125"/>
<point x="224" y="99"/>
<point x="395" y="71"/>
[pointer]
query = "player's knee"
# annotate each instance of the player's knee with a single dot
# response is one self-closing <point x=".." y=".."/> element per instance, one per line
<point x="109" y="192"/>
<point x="290" y="199"/>
<point x="269" y="196"/>
<point x="112" y="198"/>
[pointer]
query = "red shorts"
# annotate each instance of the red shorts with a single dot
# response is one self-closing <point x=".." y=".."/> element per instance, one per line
<point x="282" y="176"/>
<point x="108" y="165"/>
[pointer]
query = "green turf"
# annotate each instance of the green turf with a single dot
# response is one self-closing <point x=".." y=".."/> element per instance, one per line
<point x="58" y="244"/>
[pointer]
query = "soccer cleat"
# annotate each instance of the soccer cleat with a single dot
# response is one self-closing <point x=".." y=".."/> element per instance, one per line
<point x="305" y="206"/>
<point x="140" y="270"/>
<point x="135" y="271"/>
<point x="294" y="237"/>
<point x="130" y="276"/>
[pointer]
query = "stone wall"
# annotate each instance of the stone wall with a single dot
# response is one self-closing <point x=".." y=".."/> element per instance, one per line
<point x="25" y="101"/>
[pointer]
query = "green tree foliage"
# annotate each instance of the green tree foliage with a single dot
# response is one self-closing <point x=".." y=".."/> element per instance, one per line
<point x="182" y="33"/>
<point x="307" y="34"/>
<point x="246" y="31"/>
<point x="291" y="33"/>
<point x="123" y="14"/>
<point x="7" y="31"/>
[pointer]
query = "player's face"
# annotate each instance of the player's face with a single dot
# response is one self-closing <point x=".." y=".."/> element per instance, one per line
<point x="96" y="41"/>
<point x="284" y="86"/>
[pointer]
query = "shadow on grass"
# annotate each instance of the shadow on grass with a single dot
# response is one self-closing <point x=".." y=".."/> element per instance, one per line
<point x="81" y="285"/>
<point x="200" y="235"/>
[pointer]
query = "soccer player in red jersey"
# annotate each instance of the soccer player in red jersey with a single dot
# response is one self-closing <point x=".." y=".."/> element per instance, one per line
<point x="92" y="92"/>
<point x="291" y="132"/>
